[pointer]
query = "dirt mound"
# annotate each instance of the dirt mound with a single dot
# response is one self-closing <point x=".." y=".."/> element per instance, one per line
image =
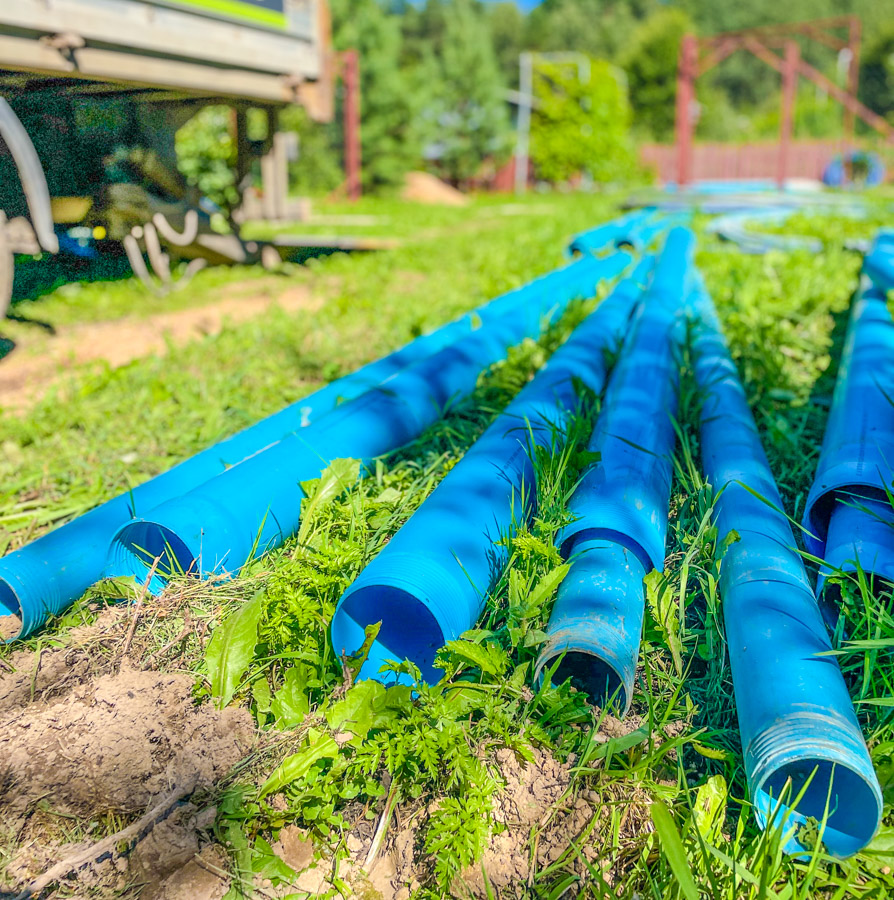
<point x="540" y="816"/>
<point x="533" y="809"/>
<point x="424" y="188"/>
<point x="531" y="794"/>
<point x="171" y="864"/>
<point x="87" y="737"/>
<point x="28" y="678"/>
<point x="167" y="864"/>
<point x="117" y="742"/>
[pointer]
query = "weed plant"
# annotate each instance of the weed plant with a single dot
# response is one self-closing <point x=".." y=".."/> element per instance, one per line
<point x="673" y="816"/>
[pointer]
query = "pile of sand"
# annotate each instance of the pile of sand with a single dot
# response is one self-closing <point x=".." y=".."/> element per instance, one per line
<point x="424" y="188"/>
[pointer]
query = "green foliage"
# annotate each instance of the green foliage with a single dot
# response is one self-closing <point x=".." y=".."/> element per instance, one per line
<point x="297" y="766"/>
<point x="507" y="25"/>
<point x="595" y="27"/>
<point x="206" y="154"/>
<point x="581" y="126"/>
<point x="470" y="115"/>
<point x="817" y="115"/>
<point x="338" y="477"/>
<point x="672" y="846"/>
<point x="317" y="169"/>
<point x="665" y="613"/>
<point x="650" y="61"/>
<point x="877" y="72"/>
<point x="457" y="832"/>
<point x="391" y="98"/>
<point x="231" y="649"/>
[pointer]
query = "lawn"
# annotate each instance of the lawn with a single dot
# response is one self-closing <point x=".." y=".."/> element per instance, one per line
<point x="481" y="783"/>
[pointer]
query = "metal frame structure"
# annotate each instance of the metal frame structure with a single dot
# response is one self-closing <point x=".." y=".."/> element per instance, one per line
<point x="350" y="74"/>
<point x="700" y="54"/>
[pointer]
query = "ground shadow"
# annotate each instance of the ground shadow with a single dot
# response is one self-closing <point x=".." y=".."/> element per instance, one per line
<point x="35" y="278"/>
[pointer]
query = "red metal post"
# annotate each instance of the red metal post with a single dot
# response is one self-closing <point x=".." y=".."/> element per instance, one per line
<point x="853" y="72"/>
<point x="686" y="73"/>
<point x="789" y="91"/>
<point x="350" y="73"/>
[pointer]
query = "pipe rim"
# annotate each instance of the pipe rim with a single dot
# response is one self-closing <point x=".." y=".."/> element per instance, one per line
<point x="409" y="629"/>
<point x="11" y="603"/>
<point x="578" y="656"/>
<point x="137" y="544"/>
<point x="832" y="747"/>
<point x="857" y="791"/>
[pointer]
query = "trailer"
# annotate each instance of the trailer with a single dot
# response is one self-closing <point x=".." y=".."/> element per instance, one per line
<point x="92" y="93"/>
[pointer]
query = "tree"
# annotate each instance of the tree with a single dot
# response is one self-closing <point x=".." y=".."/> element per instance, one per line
<point x="389" y="101"/>
<point x="507" y="25"/>
<point x="877" y="74"/>
<point x="651" y="66"/>
<point x="595" y="27"/>
<point x="581" y="126"/>
<point x="206" y="155"/>
<point x="472" y="114"/>
<point x="317" y="169"/>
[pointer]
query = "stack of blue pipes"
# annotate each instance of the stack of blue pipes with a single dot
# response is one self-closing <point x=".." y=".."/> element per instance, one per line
<point x="212" y="512"/>
<point x="804" y="754"/>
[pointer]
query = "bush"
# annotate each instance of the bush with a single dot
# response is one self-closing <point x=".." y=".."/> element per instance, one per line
<point x="206" y="155"/>
<point x="581" y="127"/>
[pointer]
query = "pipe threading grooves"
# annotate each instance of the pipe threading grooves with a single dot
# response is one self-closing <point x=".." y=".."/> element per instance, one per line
<point x="818" y="753"/>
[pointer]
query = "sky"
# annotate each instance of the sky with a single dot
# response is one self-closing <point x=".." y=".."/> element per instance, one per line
<point x="523" y="4"/>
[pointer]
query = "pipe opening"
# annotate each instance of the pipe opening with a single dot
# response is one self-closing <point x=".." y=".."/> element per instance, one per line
<point x="408" y="629"/>
<point x="11" y="624"/>
<point x="136" y="547"/>
<point x="853" y="812"/>
<point x="593" y="676"/>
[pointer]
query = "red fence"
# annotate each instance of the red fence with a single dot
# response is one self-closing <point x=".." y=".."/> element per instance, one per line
<point x="806" y="159"/>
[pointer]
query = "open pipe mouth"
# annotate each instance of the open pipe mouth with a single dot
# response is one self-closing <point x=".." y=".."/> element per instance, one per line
<point x="588" y="673"/>
<point x="11" y="625"/>
<point x="822" y="789"/>
<point x="408" y="630"/>
<point x="137" y="546"/>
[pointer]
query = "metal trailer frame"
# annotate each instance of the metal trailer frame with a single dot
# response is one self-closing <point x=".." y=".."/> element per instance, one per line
<point x="165" y="53"/>
<point x="142" y="44"/>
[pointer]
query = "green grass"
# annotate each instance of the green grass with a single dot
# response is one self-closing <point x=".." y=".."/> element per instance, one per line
<point x="677" y="823"/>
<point x="102" y="431"/>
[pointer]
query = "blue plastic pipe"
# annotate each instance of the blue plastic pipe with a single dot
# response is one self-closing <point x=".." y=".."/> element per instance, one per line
<point x="879" y="262"/>
<point x="636" y="229"/>
<point x="619" y="232"/>
<point x="798" y="727"/>
<point x="620" y="506"/>
<point x="46" y="576"/>
<point x="733" y="227"/>
<point x="428" y="585"/>
<point x="255" y="505"/>
<point x="848" y="519"/>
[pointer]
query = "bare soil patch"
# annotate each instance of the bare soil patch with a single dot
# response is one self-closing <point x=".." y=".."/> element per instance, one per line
<point x="39" y="359"/>
<point x="115" y="742"/>
<point x="90" y="739"/>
